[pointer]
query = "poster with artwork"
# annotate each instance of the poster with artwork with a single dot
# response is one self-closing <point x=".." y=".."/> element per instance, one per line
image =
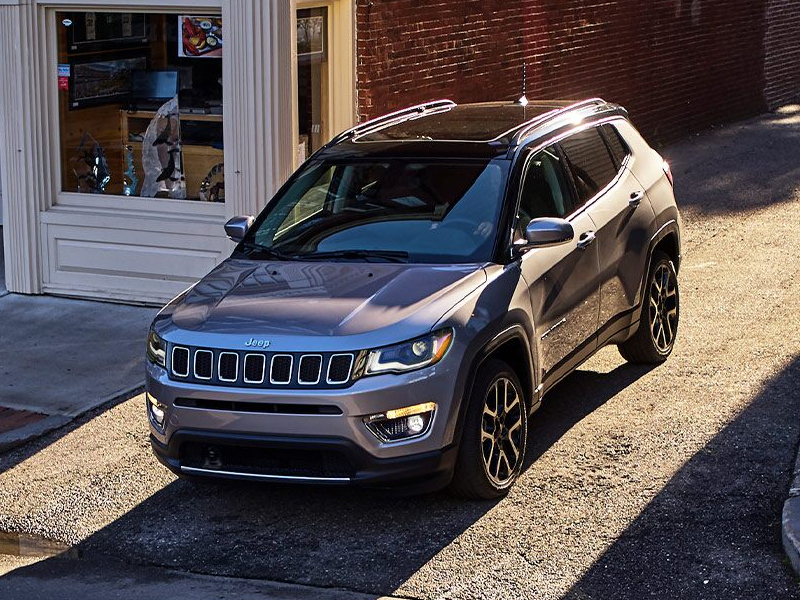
<point x="311" y="38"/>
<point x="201" y="37"/>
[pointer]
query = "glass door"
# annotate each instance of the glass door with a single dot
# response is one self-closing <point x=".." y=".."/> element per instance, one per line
<point x="312" y="80"/>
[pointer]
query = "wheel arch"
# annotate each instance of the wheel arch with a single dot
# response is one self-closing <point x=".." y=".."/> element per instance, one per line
<point x="512" y="346"/>
<point x="667" y="239"/>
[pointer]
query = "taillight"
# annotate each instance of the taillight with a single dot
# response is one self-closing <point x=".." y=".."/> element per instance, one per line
<point x="668" y="173"/>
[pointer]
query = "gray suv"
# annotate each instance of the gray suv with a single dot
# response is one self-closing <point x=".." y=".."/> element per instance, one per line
<point x="401" y="306"/>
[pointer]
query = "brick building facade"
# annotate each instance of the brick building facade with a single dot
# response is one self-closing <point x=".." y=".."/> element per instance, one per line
<point x="679" y="66"/>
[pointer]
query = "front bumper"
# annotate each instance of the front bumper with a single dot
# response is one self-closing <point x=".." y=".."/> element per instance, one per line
<point x="417" y="472"/>
<point x="188" y="431"/>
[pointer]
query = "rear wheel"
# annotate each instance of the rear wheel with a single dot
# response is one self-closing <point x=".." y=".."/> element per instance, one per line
<point x="658" y="324"/>
<point x="492" y="449"/>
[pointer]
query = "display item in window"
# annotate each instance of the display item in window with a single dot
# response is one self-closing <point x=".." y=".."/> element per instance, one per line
<point x="161" y="154"/>
<point x="129" y="180"/>
<point x="212" y="188"/>
<point x="90" y="166"/>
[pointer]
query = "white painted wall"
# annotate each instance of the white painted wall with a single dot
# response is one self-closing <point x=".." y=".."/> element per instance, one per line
<point x="132" y="249"/>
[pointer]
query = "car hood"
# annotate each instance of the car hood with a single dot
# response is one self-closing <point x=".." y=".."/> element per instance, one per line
<point x="269" y="299"/>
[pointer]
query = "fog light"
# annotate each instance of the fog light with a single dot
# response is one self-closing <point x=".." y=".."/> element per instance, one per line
<point x="156" y="410"/>
<point x="415" y="424"/>
<point x="402" y="423"/>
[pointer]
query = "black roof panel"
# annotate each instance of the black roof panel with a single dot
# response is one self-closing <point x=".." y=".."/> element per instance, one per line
<point x="485" y="122"/>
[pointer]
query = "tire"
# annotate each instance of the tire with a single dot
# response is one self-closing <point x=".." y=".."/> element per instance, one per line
<point x="658" y="322"/>
<point x="472" y="477"/>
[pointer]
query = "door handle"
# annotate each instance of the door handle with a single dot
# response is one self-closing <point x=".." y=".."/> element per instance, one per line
<point x="586" y="240"/>
<point x="636" y="199"/>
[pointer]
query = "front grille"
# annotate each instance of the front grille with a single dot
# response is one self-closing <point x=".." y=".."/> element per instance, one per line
<point x="228" y="366"/>
<point x="279" y="462"/>
<point x="259" y="407"/>
<point x="339" y="368"/>
<point x="310" y="368"/>
<point x="254" y="368"/>
<point x="203" y="364"/>
<point x="260" y="369"/>
<point x="180" y="361"/>
<point x="280" y="370"/>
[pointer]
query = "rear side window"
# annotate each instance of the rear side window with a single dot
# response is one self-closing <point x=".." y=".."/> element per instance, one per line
<point x="619" y="149"/>
<point x="590" y="162"/>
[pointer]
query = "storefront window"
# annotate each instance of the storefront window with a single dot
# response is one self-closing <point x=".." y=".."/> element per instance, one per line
<point x="312" y="79"/>
<point x="140" y="104"/>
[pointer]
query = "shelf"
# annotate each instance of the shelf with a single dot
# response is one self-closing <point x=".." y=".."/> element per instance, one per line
<point x="205" y="149"/>
<point x="149" y="114"/>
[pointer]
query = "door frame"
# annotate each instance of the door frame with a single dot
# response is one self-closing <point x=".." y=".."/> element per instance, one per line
<point x="341" y="90"/>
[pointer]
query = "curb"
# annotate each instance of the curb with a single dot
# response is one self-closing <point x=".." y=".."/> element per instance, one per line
<point x="17" y="437"/>
<point x="23" y="435"/>
<point x="790" y="520"/>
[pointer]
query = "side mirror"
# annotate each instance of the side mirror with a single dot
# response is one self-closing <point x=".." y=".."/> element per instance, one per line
<point x="237" y="227"/>
<point x="545" y="232"/>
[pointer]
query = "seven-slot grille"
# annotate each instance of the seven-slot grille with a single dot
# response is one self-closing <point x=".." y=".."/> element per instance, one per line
<point x="260" y="369"/>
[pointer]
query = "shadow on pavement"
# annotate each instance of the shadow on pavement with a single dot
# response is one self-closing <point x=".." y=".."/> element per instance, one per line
<point x="714" y="531"/>
<point x="757" y="149"/>
<point x="359" y="540"/>
<point x="573" y="399"/>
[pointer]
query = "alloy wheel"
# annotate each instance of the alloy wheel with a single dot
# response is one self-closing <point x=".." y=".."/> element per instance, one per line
<point x="663" y="308"/>
<point x="502" y="432"/>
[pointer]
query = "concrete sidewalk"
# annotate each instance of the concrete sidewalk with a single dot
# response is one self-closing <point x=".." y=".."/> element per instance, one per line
<point x="56" y="579"/>
<point x="60" y="358"/>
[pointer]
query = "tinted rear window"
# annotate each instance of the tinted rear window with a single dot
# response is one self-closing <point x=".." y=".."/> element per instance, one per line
<point x="590" y="161"/>
<point x="619" y="149"/>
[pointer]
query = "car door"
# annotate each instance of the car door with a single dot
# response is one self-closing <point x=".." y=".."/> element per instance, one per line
<point x="562" y="280"/>
<point x="621" y="212"/>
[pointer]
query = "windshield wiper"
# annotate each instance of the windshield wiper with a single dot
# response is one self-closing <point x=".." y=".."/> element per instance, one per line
<point x="271" y="253"/>
<point x="389" y="255"/>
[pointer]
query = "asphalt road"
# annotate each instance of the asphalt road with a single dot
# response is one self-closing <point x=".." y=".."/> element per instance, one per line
<point x="661" y="483"/>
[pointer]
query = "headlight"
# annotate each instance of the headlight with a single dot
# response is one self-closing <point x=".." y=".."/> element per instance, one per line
<point x="156" y="349"/>
<point x="408" y="356"/>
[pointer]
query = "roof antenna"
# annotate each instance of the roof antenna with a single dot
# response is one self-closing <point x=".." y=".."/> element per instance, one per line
<point x="523" y="100"/>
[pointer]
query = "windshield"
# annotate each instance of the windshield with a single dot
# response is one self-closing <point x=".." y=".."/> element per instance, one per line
<point x="391" y="210"/>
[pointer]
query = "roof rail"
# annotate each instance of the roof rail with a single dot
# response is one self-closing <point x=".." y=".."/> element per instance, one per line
<point x="391" y="119"/>
<point x="526" y="128"/>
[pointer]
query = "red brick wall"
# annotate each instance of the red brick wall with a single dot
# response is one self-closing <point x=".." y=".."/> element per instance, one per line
<point x="678" y="65"/>
<point x="782" y="52"/>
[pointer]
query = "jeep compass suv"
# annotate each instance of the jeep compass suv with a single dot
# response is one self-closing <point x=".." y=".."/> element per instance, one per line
<point x="401" y="306"/>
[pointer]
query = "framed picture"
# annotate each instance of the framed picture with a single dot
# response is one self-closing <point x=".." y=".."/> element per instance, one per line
<point x="311" y="42"/>
<point x="200" y="37"/>
<point x="88" y="31"/>
<point x="103" y="81"/>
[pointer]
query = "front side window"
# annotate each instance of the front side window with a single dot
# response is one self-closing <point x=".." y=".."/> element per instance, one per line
<point x="590" y="162"/>
<point x="140" y="104"/>
<point x="544" y="190"/>
<point x="442" y="212"/>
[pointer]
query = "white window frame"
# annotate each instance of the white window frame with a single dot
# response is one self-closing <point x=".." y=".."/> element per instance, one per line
<point x="125" y="204"/>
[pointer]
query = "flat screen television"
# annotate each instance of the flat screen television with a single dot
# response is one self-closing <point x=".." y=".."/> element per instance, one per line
<point x="153" y="86"/>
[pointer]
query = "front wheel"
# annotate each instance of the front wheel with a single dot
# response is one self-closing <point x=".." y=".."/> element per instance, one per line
<point x="492" y="449"/>
<point x="658" y="324"/>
